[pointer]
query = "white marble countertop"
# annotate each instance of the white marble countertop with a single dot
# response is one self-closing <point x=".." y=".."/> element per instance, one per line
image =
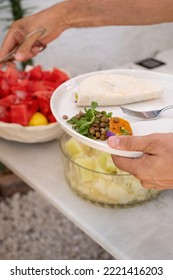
<point x="140" y="232"/>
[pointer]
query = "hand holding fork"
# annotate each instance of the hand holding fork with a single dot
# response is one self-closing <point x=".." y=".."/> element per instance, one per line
<point x="37" y="46"/>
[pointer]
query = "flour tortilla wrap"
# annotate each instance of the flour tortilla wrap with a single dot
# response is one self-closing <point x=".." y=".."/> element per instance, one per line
<point x="113" y="89"/>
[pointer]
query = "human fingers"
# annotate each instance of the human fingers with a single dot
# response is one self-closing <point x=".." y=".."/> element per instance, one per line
<point x="132" y="143"/>
<point x="11" y="40"/>
<point x="129" y="143"/>
<point x="10" y="64"/>
<point x="31" y="45"/>
<point x="38" y="47"/>
<point x="128" y="165"/>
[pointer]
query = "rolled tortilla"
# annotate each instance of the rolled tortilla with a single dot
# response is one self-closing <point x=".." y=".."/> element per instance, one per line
<point x="113" y="89"/>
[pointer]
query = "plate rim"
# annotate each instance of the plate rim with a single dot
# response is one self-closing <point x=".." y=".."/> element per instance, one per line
<point x="68" y="85"/>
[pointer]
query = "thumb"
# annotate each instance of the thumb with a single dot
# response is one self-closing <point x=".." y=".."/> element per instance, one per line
<point x="130" y="143"/>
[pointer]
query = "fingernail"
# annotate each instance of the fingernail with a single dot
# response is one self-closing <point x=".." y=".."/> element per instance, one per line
<point x="39" y="45"/>
<point x="19" y="56"/>
<point x="114" y="141"/>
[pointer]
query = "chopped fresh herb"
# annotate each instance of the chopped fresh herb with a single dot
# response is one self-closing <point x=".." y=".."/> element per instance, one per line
<point x="124" y="131"/>
<point x="76" y="96"/>
<point x="83" y="121"/>
<point x="99" y="124"/>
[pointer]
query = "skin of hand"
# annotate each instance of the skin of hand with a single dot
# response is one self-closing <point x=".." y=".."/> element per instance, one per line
<point x="46" y="19"/>
<point x="155" y="168"/>
<point x="82" y="13"/>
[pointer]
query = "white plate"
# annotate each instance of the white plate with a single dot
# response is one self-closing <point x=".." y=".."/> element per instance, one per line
<point x="63" y="103"/>
<point x="30" y="134"/>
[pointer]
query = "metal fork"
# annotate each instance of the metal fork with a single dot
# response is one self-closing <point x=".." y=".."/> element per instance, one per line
<point x="153" y="114"/>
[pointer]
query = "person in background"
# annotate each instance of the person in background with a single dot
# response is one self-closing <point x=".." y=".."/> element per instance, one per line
<point x="155" y="168"/>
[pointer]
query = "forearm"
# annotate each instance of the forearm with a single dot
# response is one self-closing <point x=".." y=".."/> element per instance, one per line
<point x="83" y="13"/>
<point x="88" y="13"/>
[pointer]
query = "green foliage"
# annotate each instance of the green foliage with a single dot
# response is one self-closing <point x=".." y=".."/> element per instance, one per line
<point x="83" y="124"/>
<point x="2" y="167"/>
<point x="16" y="9"/>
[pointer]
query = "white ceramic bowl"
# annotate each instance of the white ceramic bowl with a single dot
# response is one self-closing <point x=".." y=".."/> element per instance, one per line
<point x="30" y="134"/>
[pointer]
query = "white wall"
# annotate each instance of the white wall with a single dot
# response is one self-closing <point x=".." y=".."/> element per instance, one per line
<point x="89" y="49"/>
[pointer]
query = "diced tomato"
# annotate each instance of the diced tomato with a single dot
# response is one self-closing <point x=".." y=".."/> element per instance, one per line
<point x="44" y="105"/>
<point x="19" y="114"/>
<point x="6" y="119"/>
<point x="43" y="86"/>
<point x="47" y="75"/>
<point x="43" y="94"/>
<point x="12" y="75"/>
<point x="59" y="76"/>
<point x="36" y="73"/>
<point x="7" y="101"/>
<point x="4" y="88"/>
<point x="4" y="114"/>
<point x="20" y="96"/>
<point x="20" y="85"/>
<point x="32" y="107"/>
<point x="23" y="93"/>
<point x="51" y="117"/>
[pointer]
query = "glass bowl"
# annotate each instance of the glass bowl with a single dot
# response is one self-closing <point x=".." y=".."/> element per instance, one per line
<point x="92" y="175"/>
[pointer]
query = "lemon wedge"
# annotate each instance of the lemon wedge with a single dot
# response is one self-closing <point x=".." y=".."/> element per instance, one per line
<point x="38" y="119"/>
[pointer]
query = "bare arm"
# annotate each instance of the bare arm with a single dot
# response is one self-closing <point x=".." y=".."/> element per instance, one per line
<point x="83" y="13"/>
<point x="118" y="12"/>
